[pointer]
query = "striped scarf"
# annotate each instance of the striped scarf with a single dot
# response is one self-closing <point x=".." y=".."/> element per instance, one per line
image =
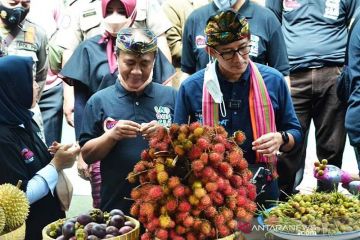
<point x="261" y="112"/>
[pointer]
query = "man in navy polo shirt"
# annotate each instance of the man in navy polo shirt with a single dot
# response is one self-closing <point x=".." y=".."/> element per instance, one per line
<point x="236" y="93"/>
<point x="136" y="106"/>
<point x="315" y="34"/>
<point x="267" y="41"/>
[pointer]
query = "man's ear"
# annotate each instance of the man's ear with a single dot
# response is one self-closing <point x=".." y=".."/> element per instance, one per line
<point x="210" y="51"/>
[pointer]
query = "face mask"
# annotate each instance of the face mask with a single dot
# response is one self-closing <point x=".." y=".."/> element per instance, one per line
<point x="139" y="89"/>
<point x="115" y="22"/>
<point x="224" y="4"/>
<point x="13" y="16"/>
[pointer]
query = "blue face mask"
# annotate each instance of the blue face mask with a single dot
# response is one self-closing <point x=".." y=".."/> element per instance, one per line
<point x="224" y="4"/>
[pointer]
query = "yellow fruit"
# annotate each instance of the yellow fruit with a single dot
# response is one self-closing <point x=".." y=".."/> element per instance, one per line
<point x="324" y="161"/>
<point x="2" y="220"/>
<point x="15" y="205"/>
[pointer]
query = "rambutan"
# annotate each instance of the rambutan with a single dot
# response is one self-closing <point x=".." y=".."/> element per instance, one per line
<point x="250" y="206"/>
<point x="184" y="129"/>
<point x="153" y="225"/>
<point x="240" y="200"/>
<point x="147" y="209"/>
<point x="205" y="228"/>
<point x="235" y="157"/>
<point x="144" y="155"/>
<point x="204" y="158"/>
<point x="248" y="217"/>
<point x="146" y="236"/>
<point x="173" y="182"/>
<point x="161" y="146"/>
<point x="198" y="131"/>
<point x="205" y="200"/>
<point x="152" y="175"/>
<point x="215" y="158"/>
<point x="217" y="198"/>
<point x="194" y="153"/>
<point x="197" y="165"/>
<point x="180" y="230"/>
<point x="243" y="164"/>
<point x="232" y="224"/>
<point x="153" y="142"/>
<point x="162" y="234"/>
<point x="159" y="167"/>
<point x="225" y="169"/>
<point x="194" y="125"/>
<point x="196" y="184"/>
<point x="131" y="177"/>
<point x="155" y="193"/>
<point x="210" y="211"/>
<point x="173" y="129"/>
<point x="181" y="137"/>
<point x="211" y="186"/>
<point x="190" y="236"/>
<point x="139" y="167"/>
<point x="240" y="212"/>
<point x="193" y="200"/>
<point x="134" y="209"/>
<point x="187" y="144"/>
<point x="184" y="206"/>
<point x="231" y="203"/>
<point x="179" y="150"/>
<point x="188" y="221"/>
<point x="236" y="181"/>
<point x="220" y="139"/>
<point x="197" y="224"/>
<point x="162" y="177"/>
<point x="208" y="172"/>
<point x="199" y="192"/>
<point x="171" y="205"/>
<point x="223" y="230"/>
<point x="135" y="193"/>
<point x="219" y="148"/>
<point x="242" y="191"/>
<point x="179" y="191"/>
<point x="227" y="213"/>
<point x="166" y="189"/>
<point x="165" y="221"/>
<point x="219" y="220"/>
<point x="239" y="137"/>
<point x="203" y="143"/>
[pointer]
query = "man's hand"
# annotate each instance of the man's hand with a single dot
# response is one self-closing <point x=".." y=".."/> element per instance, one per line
<point x="124" y="129"/>
<point x="147" y="130"/>
<point x="68" y="105"/>
<point x="83" y="169"/>
<point x="268" y="144"/>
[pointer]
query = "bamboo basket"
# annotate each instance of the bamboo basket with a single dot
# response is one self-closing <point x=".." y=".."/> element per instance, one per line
<point x="132" y="235"/>
<point x="230" y="237"/>
<point x="17" y="234"/>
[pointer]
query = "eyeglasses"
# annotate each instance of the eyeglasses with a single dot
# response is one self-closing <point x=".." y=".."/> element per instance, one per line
<point x="227" y="55"/>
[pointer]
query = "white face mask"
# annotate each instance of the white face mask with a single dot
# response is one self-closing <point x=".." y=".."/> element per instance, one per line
<point x="139" y="89"/>
<point x="115" y="22"/>
<point x="224" y="4"/>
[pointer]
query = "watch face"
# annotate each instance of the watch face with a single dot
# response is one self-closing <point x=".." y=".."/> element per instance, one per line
<point x="285" y="136"/>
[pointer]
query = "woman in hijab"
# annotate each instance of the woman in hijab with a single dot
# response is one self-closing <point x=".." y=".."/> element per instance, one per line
<point x="24" y="155"/>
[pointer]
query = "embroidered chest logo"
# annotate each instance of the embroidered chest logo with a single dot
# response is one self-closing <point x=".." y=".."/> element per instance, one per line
<point x="200" y="41"/>
<point x="27" y="155"/>
<point x="163" y="115"/>
<point x="290" y="5"/>
<point x="332" y="9"/>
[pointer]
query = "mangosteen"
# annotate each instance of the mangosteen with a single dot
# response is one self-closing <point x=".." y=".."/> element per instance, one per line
<point x="117" y="221"/>
<point x="125" y="229"/>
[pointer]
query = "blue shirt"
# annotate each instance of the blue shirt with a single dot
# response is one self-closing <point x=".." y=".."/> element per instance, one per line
<point x="156" y="103"/>
<point x="189" y="103"/>
<point x="267" y="41"/>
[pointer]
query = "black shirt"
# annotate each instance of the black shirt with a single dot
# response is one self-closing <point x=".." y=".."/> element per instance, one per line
<point x="156" y="103"/>
<point x="22" y="156"/>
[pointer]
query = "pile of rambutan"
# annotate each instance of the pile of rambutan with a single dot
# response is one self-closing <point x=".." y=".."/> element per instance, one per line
<point x="194" y="184"/>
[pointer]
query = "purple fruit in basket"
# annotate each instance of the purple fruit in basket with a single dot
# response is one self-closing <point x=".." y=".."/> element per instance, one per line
<point x="125" y="229"/>
<point x="112" y="230"/>
<point x="98" y="230"/>
<point x="88" y="227"/>
<point x="97" y="215"/>
<point x="109" y="236"/>
<point x="68" y="229"/>
<point x="92" y="237"/>
<point x="84" y="219"/>
<point x="103" y="224"/>
<point x="130" y="224"/>
<point x="117" y="221"/>
<point x="116" y="212"/>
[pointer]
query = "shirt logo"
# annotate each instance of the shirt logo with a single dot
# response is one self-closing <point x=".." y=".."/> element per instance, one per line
<point x="290" y="5"/>
<point x="200" y="41"/>
<point x="332" y="9"/>
<point x="163" y="115"/>
<point x="254" y="43"/>
<point x="27" y="155"/>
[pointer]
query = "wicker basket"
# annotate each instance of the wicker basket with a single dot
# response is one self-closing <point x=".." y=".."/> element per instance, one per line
<point x="132" y="235"/>
<point x="230" y="237"/>
<point x="18" y="234"/>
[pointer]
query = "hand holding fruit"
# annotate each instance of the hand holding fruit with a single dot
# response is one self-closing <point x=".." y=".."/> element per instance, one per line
<point x="147" y="130"/>
<point x="121" y="129"/>
<point x="65" y="156"/>
<point x="330" y="173"/>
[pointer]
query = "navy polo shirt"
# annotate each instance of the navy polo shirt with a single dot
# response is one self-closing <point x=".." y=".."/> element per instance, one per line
<point x="156" y="103"/>
<point x="189" y="103"/>
<point x="267" y="41"/>
<point x="315" y="31"/>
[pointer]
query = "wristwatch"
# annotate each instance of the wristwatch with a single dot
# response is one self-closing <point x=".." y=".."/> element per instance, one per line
<point x="285" y="138"/>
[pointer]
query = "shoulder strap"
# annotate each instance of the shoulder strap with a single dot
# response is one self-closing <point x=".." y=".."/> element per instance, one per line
<point x="357" y="17"/>
<point x="11" y="36"/>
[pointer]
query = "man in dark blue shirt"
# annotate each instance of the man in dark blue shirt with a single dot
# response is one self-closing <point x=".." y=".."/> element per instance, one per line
<point x="267" y="42"/>
<point x="137" y="104"/>
<point x="231" y="83"/>
<point x="315" y="35"/>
